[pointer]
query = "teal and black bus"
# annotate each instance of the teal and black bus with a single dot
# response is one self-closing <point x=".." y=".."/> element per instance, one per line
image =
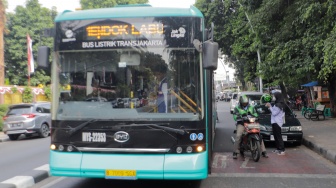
<point x="132" y="93"/>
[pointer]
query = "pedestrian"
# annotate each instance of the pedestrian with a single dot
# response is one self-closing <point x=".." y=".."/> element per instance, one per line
<point x="304" y="99"/>
<point x="277" y="120"/>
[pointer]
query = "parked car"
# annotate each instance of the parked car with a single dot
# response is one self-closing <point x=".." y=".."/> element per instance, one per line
<point x="136" y="102"/>
<point x="96" y="99"/>
<point x="233" y="102"/>
<point x="226" y="97"/>
<point x="118" y="103"/>
<point x="291" y="130"/>
<point x="127" y="102"/>
<point x="253" y="96"/>
<point x="27" y="119"/>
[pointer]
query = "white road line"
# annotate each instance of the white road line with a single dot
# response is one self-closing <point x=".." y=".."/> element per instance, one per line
<point x="21" y="181"/>
<point x="267" y="175"/>
<point x="244" y="165"/>
<point x="53" y="182"/>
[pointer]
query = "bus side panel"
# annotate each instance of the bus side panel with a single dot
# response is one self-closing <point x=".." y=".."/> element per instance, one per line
<point x="186" y="166"/>
<point x="65" y="164"/>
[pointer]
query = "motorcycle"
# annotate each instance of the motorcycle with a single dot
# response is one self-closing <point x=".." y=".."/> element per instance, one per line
<point x="251" y="138"/>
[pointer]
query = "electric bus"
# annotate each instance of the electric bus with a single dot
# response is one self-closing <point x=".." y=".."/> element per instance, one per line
<point x="132" y="93"/>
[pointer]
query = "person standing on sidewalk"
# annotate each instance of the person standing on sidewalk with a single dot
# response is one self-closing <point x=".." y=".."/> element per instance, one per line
<point x="277" y="120"/>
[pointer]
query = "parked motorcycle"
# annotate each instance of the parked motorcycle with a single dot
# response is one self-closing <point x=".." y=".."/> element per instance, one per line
<point x="251" y="138"/>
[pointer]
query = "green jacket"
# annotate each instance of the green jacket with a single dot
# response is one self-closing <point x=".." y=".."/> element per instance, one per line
<point x="238" y="111"/>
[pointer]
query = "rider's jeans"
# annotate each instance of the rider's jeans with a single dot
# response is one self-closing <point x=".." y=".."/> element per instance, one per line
<point x="239" y="133"/>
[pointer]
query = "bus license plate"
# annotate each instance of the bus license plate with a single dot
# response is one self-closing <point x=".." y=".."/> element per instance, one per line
<point x="120" y="174"/>
<point x="284" y="137"/>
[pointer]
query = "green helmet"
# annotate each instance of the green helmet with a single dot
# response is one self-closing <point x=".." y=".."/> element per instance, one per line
<point x="265" y="98"/>
<point x="243" y="100"/>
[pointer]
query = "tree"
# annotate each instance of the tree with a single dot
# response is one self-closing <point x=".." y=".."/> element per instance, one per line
<point x="3" y="5"/>
<point x="31" y="20"/>
<point x="92" y="4"/>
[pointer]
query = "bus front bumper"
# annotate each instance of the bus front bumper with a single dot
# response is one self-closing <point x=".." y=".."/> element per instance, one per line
<point x="147" y="166"/>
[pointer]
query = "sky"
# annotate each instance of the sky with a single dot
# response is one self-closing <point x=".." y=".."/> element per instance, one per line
<point x="73" y="4"/>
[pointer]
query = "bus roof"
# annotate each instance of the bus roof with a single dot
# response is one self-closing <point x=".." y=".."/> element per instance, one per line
<point x="128" y="12"/>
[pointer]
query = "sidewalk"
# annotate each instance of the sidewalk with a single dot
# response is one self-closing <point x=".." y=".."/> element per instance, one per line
<point x="3" y="137"/>
<point x="319" y="136"/>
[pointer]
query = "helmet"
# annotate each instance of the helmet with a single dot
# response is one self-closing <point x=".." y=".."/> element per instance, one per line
<point x="265" y="98"/>
<point x="243" y="100"/>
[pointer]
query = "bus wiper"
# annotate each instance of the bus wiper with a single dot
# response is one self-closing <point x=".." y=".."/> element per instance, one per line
<point x="178" y="131"/>
<point x="79" y="127"/>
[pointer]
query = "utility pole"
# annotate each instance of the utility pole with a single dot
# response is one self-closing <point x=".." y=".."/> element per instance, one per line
<point x="2" y="29"/>
<point x="258" y="51"/>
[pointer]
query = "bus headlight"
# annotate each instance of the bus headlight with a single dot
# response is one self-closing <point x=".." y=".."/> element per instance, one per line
<point x="199" y="148"/>
<point x="52" y="146"/>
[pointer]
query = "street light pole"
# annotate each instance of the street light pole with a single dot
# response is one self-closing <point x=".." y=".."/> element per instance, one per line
<point x="226" y="72"/>
<point x="258" y="51"/>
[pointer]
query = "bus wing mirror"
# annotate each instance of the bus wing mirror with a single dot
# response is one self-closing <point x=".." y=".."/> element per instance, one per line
<point x="210" y="55"/>
<point x="43" y="57"/>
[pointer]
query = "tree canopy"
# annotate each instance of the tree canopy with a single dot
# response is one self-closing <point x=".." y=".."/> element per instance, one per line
<point x="296" y="39"/>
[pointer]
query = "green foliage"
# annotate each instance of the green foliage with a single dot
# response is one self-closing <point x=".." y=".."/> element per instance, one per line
<point x="3" y="110"/>
<point x="27" y="95"/>
<point x="47" y="92"/>
<point x="31" y="20"/>
<point x="295" y="38"/>
<point x="92" y="4"/>
<point x="14" y="89"/>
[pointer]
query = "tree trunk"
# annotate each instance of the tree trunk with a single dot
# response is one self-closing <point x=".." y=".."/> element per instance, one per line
<point x="2" y="28"/>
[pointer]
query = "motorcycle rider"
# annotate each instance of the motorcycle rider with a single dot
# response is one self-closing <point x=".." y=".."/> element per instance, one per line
<point x="244" y="108"/>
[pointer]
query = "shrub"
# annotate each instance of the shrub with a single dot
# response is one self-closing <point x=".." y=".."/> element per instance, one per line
<point x="27" y="96"/>
<point x="3" y="110"/>
<point x="14" y="89"/>
<point x="47" y="92"/>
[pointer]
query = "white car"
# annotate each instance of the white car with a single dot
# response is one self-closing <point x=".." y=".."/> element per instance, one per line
<point x="253" y="96"/>
<point x="136" y="102"/>
<point x="233" y="102"/>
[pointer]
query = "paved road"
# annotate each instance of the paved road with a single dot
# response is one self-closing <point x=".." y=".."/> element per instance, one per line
<point x="25" y="154"/>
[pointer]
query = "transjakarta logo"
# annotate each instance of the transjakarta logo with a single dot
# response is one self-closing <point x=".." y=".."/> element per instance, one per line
<point x="69" y="34"/>
<point x="178" y="33"/>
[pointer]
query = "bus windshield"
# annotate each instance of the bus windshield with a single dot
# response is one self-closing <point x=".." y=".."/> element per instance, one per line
<point x="129" y="84"/>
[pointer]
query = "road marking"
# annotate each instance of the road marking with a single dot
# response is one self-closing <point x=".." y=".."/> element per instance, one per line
<point x="219" y="158"/>
<point x="53" y="182"/>
<point x="21" y="181"/>
<point x="244" y="165"/>
<point x="267" y="175"/>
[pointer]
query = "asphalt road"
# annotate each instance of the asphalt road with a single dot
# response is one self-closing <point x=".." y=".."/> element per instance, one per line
<point x="22" y="155"/>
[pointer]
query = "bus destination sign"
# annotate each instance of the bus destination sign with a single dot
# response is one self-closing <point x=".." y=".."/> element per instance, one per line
<point x="115" y="30"/>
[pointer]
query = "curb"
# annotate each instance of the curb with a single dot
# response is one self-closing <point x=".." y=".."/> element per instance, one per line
<point x="4" y="139"/>
<point x="27" y="179"/>
<point x="328" y="154"/>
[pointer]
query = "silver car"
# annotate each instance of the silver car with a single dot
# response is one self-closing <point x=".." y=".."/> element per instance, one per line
<point x="27" y="119"/>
